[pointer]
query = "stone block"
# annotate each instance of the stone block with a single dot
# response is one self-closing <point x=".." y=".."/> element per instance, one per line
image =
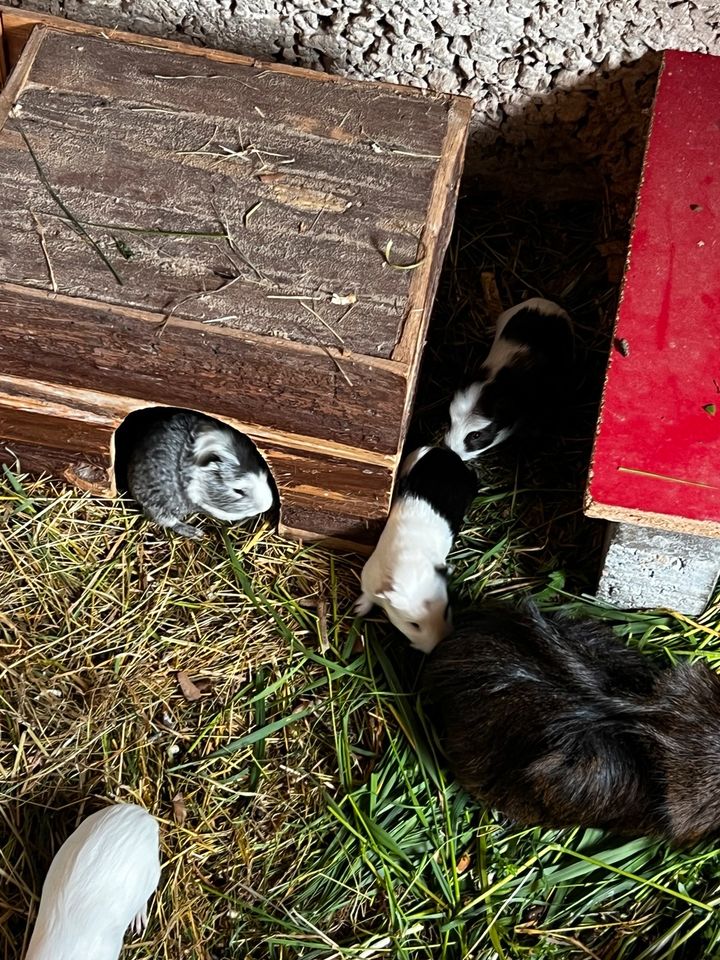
<point x="645" y="568"/>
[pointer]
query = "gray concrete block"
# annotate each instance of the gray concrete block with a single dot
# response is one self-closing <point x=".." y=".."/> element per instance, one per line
<point x="644" y="568"/>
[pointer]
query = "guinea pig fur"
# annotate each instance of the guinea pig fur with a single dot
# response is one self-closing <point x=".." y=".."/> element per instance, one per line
<point x="407" y="573"/>
<point x="98" y="884"/>
<point x="556" y="722"/>
<point x="520" y="381"/>
<point x="186" y="463"/>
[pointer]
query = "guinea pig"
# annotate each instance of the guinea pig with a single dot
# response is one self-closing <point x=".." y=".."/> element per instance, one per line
<point x="186" y="463"/>
<point x="407" y="573"/>
<point x="520" y="382"/>
<point x="555" y="722"/>
<point x="98" y="884"/>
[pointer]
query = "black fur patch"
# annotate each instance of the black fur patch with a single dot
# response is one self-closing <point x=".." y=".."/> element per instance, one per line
<point x="442" y="480"/>
<point x="555" y="721"/>
<point x="482" y="439"/>
<point x="545" y="333"/>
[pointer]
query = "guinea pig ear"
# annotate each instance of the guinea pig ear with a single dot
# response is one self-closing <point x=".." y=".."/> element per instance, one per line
<point x="207" y="458"/>
<point x="214" y="446"/>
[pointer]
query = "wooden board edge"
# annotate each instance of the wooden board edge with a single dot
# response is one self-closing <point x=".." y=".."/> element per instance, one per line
<point x="3" y="57"/>
<point x="409" y="351"/>
<point x="18" y="25"/>
<point x="661" y="521"/>
<point x="18" y="76"/>
<point x="332" y="543"/>
<point x="121" y="407"/>
<point x="162" y="322"/>
<point x="437" y="231"/>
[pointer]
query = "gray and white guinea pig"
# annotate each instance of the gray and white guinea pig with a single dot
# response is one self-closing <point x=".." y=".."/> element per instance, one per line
<point x="555" y="722"/>
<point x="98" y="884"/>
<point x="525" y="374"/>
<point x="186" y="463"/>
<point x="407" y="572"/>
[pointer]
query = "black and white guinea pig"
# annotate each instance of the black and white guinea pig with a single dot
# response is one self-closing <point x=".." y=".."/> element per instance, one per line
<point x="520" y="382"/>
<point x="186" y="463"/>
<point x="98" y="884"/>
<point x="555" y="722"/>
<point x="407" y="573"/>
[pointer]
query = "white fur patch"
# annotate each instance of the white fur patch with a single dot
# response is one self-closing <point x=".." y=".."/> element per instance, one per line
<point x="258" y="498"/>
<point x="98" y="883"/>
<point x="401" y="576"/>
<point x="464" y="420"/>
<point x="464" y="416"/>
<point x="216" y="441"/>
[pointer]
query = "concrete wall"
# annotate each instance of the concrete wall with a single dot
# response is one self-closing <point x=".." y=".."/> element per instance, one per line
<point x="561" y="86"/>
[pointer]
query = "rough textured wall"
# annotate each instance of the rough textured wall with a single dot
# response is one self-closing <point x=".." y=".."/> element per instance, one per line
<point x="560" y="86"/>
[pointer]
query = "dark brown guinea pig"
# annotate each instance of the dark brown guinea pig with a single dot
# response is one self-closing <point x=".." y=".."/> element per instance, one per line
<point x="554" y="721"/>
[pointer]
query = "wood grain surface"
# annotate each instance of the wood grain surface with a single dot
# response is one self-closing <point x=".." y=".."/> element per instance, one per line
<point x="126" y="352"/>
<point x="220" y="192"/>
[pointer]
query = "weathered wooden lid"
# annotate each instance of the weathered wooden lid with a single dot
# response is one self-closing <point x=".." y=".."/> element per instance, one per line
<point x="657" y="450"/>
<point x="275" y="201"/>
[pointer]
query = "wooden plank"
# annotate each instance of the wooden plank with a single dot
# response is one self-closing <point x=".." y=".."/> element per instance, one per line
<point x="435" y="239"/>
<point x="87" y="472"/>
<point x="3" y="61"/>
<point x="12" y="89"/>
<point x="81" y="423"/>
<point x="392" y="119"/>
<point x="151" y="156"/>
<point x="436" y="231"/>
<point x="655" y="455"/>
<point x="18" y="25"/>
<point x="651" y="518"/>
<point x="337" y="485"/>
<point x="308" y="521"/>
<point x="108" y="410"/>
<point x="302" y="391"/>
<point x="58" y="431"/>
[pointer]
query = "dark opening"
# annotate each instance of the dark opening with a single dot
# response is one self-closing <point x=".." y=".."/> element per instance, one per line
<point x="136" y="425"/>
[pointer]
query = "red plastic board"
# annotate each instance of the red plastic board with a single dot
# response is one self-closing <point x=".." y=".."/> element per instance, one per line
<point x="656" y="459"/>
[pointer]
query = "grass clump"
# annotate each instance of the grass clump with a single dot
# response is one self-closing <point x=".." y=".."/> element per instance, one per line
<point x="306" y="811"/>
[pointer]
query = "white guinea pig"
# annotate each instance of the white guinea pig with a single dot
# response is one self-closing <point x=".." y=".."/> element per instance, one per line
<point x="98" y="884"/>
<point x="407" y="574"/>
<point x="520" y="382"/>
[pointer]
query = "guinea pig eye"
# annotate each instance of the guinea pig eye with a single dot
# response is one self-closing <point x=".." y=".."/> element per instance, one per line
<point x="478" y="439"/>
<point x="239" y="491"/>
<point x="415" y="626"/>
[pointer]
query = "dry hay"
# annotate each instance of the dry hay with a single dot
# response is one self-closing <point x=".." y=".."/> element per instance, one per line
<point x="99" y="614"/>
